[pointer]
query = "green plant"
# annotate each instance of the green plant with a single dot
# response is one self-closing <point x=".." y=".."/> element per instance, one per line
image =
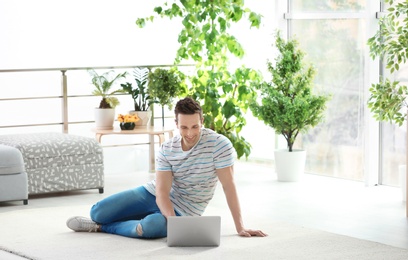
<point x="140" y="96"/>
<point x="287" y="103"/>
<point x="388" y="97"/>
<point x="103" y="84"/>
<point x="205" y="40"/>
<point x="166" y="84"/>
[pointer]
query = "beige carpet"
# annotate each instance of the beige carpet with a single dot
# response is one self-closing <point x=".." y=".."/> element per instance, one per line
<point x="41" y="234"/>
<point x="38" y="230"/>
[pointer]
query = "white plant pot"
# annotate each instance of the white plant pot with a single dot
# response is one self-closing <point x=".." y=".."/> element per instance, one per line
<point x="290" y="166"/>
<point x="403" y="181"/>
<point x="104" y="118"/>
<point x="144" y="117"/>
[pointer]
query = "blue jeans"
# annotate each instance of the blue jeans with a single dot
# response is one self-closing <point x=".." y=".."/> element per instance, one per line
<point x="122" y="213"/>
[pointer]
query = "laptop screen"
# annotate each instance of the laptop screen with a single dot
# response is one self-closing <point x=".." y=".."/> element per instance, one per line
<point x="193" y="231"/>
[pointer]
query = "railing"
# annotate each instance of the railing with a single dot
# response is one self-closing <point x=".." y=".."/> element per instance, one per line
<point x="64" y="91"/>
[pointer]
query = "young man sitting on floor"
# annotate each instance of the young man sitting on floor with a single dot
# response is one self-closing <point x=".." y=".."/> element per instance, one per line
<point x="187" y="170"/>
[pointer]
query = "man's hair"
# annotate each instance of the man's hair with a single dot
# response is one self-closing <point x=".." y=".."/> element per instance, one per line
<point x="187" y="106"/>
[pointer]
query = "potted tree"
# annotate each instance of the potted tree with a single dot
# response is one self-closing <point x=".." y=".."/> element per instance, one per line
<point x="164" y="85"/>
<point x="288" y="105"/>
<point x="141" y="98"/>
<point x="105" y="113"/>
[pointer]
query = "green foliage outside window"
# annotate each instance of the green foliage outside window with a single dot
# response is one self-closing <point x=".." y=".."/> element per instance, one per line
<point x="390" y="43"/>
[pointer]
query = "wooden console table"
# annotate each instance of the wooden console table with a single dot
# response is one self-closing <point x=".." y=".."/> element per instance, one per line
<point x="151" y="131"/>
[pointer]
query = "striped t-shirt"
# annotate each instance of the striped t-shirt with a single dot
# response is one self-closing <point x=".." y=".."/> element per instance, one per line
<point x="194" y="176"/>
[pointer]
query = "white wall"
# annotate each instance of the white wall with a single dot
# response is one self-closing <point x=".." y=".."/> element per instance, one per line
<point x="76" y="33"/>
<point x="46" y="33"/>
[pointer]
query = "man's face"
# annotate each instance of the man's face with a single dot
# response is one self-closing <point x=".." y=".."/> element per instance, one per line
<point x="190" y="128"/>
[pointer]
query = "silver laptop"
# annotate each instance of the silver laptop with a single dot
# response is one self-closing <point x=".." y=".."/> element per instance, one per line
<point x="193" y="231"/>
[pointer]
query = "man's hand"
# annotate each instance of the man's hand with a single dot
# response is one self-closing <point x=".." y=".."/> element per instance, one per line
<point x="250" y="233"/>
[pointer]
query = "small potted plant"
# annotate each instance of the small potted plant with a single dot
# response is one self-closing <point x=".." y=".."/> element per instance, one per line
<point x="128" y="121"/>
<point x="105" y="113"/>
<point x="164" y="85"/>
<point x="287" y="104"/>
<point x="140" y="96"/>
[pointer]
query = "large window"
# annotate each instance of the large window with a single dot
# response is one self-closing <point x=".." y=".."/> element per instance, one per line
<point x="393" y="138"/>
<point x="335" y="45"/>
<point x="334" y="35"/>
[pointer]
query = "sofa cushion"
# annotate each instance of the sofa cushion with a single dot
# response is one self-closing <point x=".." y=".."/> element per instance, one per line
<point x="42" y="150"/>
<point x="40" y="145"/>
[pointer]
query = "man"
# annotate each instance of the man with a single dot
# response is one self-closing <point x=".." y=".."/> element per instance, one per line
<point x="188" y="168"/>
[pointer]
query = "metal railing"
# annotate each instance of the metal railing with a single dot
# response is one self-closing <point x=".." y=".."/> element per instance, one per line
<point x="64" y="90"/>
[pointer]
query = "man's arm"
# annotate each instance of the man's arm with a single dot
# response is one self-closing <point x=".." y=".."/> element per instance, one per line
<point x="164" y="180"/>
<point x="226" y="177"/>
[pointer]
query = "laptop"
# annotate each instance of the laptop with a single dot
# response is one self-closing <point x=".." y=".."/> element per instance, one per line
<point x="193" y="231"/>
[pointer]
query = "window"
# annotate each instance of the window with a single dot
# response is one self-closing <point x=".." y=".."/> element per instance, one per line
<point x="393" y="138"/>
<point x="333" y="35"/>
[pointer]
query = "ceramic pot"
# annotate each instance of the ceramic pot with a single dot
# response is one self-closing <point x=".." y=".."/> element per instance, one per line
<point x="290" y="166"/>
<point x="127" y="126"/>
<point x="144" y="117"/>
<point x="104" y="118"/>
